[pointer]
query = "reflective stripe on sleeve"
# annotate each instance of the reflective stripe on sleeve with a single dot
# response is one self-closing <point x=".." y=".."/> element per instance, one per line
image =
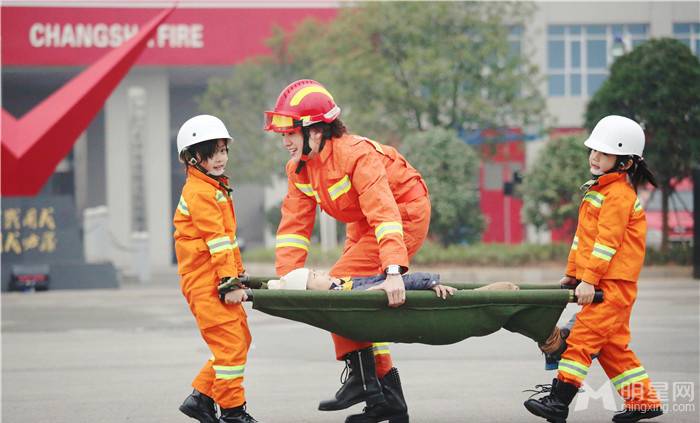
<point x="603" y="252"/>
<point x="293" y="240"/>
<point x="217" y="245"/>
<point x="574" y="245"/>
<point x="388" y="228"/>
<point x="182" y="207"/>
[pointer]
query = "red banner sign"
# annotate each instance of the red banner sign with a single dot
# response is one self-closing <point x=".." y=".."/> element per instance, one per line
<point x="74" y="36"/>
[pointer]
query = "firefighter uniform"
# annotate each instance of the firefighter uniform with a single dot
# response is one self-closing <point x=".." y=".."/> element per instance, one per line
<point x="377" y="193"/>
<point x="608" y="252"/>
<point x="206" y="249"/>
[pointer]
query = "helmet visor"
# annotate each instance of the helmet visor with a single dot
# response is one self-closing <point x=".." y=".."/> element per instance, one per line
<point x="279" y="123"/>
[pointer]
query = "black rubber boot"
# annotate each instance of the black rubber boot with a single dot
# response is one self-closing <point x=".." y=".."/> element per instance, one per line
<point x="636" y="415"/>
<point x="200" y="407"/>
<point x="236" y="415"/>
<point x="555" y="406"/>
<point x="393" y="409"/>
<point x="360" y="385"/>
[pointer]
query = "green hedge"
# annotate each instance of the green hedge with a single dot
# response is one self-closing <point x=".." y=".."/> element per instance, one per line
<point x="483" y="255"/>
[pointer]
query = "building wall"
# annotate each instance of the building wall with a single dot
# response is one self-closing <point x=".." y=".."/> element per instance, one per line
<point x="568" y="110"/>
<point x="659" y="16"/>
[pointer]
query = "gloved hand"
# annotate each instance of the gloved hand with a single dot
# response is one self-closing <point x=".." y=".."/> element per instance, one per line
<point x="228" y="284"/>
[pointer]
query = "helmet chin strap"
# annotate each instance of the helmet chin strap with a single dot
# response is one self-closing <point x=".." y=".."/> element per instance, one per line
<point x="305" y="150"/>
<point x="192" y="161"/>
<point x="306" y="147"/>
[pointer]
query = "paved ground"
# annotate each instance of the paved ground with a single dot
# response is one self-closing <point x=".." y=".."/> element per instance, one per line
<point x="128" y="355"/>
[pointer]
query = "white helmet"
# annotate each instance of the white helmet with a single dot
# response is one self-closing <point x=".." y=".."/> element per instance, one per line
<point x="200" y="128"/>
<point x="296" y="279"/>
<point x="617" y="135"/>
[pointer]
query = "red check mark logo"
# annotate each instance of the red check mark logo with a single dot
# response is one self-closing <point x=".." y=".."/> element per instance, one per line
<point x="33" y="145"/>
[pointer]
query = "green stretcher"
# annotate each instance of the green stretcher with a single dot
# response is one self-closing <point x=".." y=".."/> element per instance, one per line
<point x="424" y="318"/>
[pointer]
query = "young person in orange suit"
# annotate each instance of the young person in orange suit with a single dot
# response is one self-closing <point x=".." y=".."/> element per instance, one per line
<point x="384" y="202"/>
<point x="208" y="257"/>
<point x="607" y="253"/>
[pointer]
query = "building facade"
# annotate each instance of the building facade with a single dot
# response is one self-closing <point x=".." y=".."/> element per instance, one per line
<point x="125" y="158"/>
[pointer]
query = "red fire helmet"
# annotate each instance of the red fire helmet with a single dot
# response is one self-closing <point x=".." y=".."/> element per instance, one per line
<point x="301" y="103"/>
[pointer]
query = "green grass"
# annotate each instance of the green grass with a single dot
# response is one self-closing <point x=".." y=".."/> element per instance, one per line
<point x="502" y="255"/>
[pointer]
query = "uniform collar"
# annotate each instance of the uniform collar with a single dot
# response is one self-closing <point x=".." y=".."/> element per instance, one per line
<point x="193" y="172"/>
<point x="609" y="178"/>
<point x="327" y="151"/>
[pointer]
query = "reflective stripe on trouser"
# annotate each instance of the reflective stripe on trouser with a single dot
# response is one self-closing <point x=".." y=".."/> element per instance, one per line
<point x="604" y="329"/>
<point x="229" y="343"/>
<point x="361" y="258"/>
<point x="225" y="330"/>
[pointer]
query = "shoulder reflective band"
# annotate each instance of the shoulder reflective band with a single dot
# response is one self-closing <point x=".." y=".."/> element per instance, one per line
<point x="637" y="205"/>
<point x="220" y="197"/>
<point x="376" y="145"/>
<point x="603" y="252"/>
<point x="308" y="190"/>
<point x="293" y="240"/>
<point x="573" y="368"/>
<point x="629" y="377"/>
<point x="388" y="228"/>
<point x="379" y="348"/>
<point x="339" y="188"/>
<point x="182" y="207"/>
<point x="229" y="372"/>
<point x="574" y="245"/>
<point x="595" y="198"/>
<point x="217" y="245"/>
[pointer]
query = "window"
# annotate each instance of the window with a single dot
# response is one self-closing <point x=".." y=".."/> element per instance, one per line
<point x="515" y="35"/>
<point x="688" y="34"/>
<point x="578" y="56"/>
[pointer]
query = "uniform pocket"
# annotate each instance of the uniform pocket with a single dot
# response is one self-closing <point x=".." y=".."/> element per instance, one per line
<point x="208" y="310"/>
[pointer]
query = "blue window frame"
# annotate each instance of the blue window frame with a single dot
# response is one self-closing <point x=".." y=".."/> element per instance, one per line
<point x="689" y="34"/>
<point x="578" y="56"/>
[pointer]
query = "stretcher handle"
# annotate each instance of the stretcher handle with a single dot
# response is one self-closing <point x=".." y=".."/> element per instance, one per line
<point x="249" y="293"/>
<point x="597" y="297"/>
<point x="254" y="282"/>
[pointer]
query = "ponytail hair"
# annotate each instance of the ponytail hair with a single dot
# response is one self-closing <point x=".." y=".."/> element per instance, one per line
<point x="639" y="172"/>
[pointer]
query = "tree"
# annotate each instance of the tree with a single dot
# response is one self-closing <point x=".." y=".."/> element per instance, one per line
<point x="658" y="85"/>
<point x="449" y="167"/>
<point x="401" y="67"/>
<point x="239" y="101"/>
<point x="550" y="188"/>
<point x="396" y="70"/>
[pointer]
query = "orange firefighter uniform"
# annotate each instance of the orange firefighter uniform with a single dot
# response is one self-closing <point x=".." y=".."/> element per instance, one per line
<point x="377" y="193"/>
<point x="608" y="251"/>
<point x="206" y="249"/>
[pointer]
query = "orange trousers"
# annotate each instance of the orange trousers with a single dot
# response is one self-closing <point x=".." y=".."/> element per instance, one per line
<point x="224" y="328"/>
<point x="361" y="258"/>
<point x="604" y="329"/>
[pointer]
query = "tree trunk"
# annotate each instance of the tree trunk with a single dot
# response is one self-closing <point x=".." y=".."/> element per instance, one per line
<point x="666" y="191"/>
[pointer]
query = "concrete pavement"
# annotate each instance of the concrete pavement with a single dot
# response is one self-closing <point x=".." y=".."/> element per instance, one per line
<point x="128" y="355"/>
